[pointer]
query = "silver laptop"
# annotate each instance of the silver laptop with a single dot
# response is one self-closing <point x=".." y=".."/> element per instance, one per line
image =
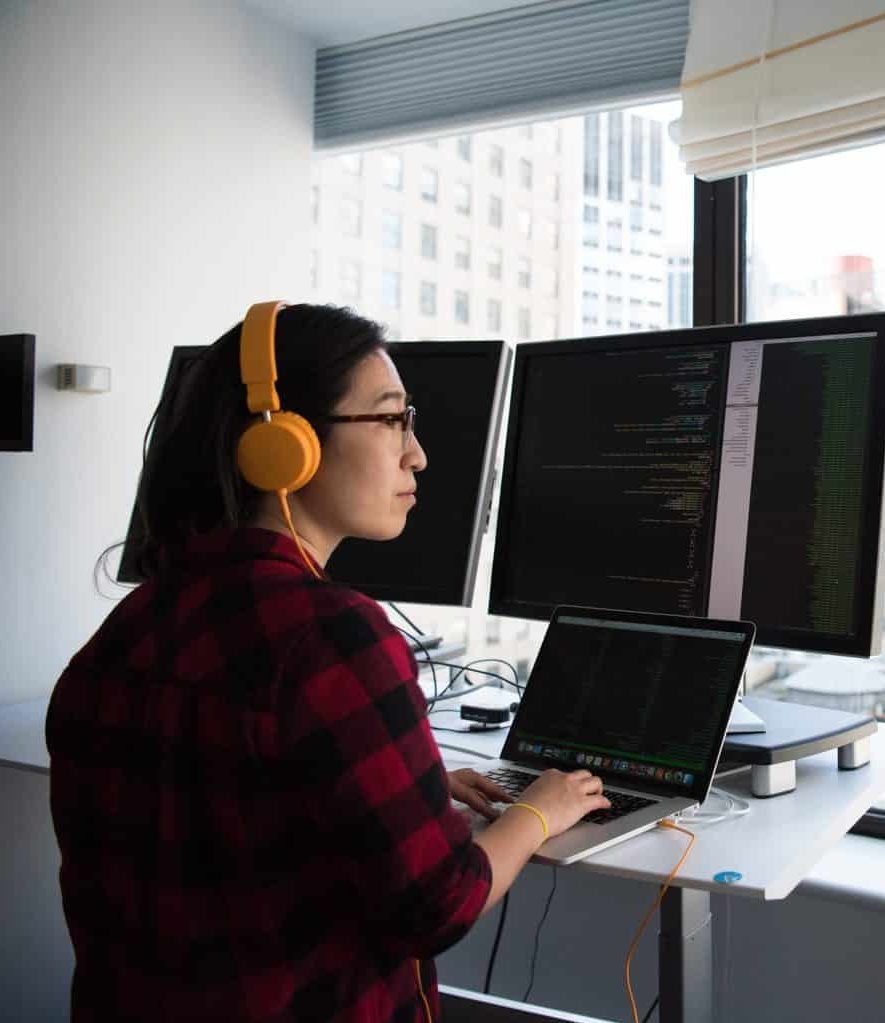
<point x="642" y="700"/>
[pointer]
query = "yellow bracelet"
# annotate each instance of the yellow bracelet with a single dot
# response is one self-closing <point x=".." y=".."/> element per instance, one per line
<point x="538" y="814"/>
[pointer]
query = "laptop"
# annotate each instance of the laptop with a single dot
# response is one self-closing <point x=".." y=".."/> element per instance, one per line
<point x="641" y="700"/>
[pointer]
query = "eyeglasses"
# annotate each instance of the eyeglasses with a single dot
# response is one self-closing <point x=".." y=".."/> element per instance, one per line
<point x="406" y="420"/>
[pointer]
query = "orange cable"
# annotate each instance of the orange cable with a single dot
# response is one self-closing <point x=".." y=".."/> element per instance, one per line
<point x="651" y="912"/>
<point x="284" y="504"/>
<point x="421" y="991"/>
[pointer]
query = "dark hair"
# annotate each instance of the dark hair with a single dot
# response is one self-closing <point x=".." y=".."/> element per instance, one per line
<point x="190" y="482"/>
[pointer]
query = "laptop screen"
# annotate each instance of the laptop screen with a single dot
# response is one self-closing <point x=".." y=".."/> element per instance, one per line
<point x="637" y="698"/>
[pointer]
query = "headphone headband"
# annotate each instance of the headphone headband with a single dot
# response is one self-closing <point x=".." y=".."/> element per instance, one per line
<point x="258" y="361"/>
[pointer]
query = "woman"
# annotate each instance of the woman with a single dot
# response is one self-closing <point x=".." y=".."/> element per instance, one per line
<point x="254" y="820"/>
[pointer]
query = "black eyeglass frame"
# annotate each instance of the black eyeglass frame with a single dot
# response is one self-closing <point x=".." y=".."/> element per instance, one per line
<point x="406" y="419"/>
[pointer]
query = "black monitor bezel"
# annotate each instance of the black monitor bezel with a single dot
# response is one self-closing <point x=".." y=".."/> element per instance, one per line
<point x="868" y="637"/>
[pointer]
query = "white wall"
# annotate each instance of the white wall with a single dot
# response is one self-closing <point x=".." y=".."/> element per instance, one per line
<point x="154" y="177"/>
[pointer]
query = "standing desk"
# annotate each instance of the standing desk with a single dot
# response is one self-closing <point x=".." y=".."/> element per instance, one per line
<point x="772" y="847"/>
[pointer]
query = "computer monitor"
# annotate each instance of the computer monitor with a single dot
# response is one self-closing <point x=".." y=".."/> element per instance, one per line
<point x="458" y="389"/>
<point x="17" y="392"/>
<point x="730" y="471"/>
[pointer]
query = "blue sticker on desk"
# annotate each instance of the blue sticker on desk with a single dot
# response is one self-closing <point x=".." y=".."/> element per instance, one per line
<point x="727" y="876"/>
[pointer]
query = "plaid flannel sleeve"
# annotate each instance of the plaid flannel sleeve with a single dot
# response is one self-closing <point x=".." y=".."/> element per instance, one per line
<point x="382" y="797"/>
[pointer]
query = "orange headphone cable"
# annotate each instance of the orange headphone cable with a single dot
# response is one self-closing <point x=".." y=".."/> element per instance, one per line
<point x="421" y="991"/>
<point x="651" y="912"/>
<point x="284" y="505"/>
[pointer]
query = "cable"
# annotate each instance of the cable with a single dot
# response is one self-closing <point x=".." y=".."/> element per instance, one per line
<point x="427" y="660"/>
<point x="465" y="749"/>
<point x="651" y="1009"/>
<point x="528" y="990"/>
<point x="406" y="618"/>
<point x="734" y="807"/>
<point x="634" y="944"/>
<point x="505" y="902"/>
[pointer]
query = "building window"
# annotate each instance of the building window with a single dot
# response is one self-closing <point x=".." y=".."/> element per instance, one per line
<point x="493" y="315"/>
<point x="496" y="160"/>
<point x="392" y="171"/>
<point x="614" y="239"/>
<point x="616" y="156"/>
<point x="551" y="282"/>
<point x="551" y="233"/>
<point x="391" y="289"/>
<point x="428" y="298"/>
<point x="496" y="211"/>
<point x="553" y="187"/>
<point x="391" y="230"/>
<point x="462" y="252"/>
<point x="654" y="153"/>
<point x="495" y="263"/>
<point x="315" y="204"/>
<point x="462" y="306"/>
<point x="636" y="148"/>
<point x="550" y="327"/>
<point x="429" y="184"/>
<point x="314" y="268"/>
<point x="635" y="216"/>
<point x="462" y="198"/>
<point x="591" y="155"/>
<point x="524" y="222"/>
<point x="428" y="241"/>
<point x="351" y="217"/>
<point x="465" y="146"/>
<point x="525" y="173"/>
<point x="352" y="163"/>
<point x="351" y="280"/>
<point x="524" y="272"/>
<point x="524" y="322"/>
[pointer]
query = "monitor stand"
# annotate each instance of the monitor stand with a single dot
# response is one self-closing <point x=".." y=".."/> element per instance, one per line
<point x="743" y="720"/>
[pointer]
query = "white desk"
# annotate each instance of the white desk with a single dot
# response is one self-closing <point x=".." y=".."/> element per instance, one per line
<point x="773" y="847"/>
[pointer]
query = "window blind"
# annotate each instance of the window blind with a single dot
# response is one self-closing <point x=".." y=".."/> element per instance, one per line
<point x="767" y="81"/>
<point x="544" y="60"/>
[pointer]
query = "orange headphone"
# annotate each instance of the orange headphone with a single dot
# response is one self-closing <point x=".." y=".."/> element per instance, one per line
<point x="280" y="452"/>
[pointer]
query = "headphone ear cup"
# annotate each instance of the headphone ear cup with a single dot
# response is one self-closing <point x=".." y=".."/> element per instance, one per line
<point x="283" y="454"/>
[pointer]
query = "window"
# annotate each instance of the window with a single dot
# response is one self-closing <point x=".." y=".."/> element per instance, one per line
<point x="315" y="204"/>
<point x="462" y="306"/>
<point x="524" y="272"/>
<point x="465" y="145"/>
<point x="462" y="198"/>
<point x="614" y="235"/>
<point x="655" y="170"/>
<point x="496" y="160"/>
<point x="493" y="315"/>
<point x="496" y="211"/>
<point x="428" y="241"/>
<point x="352" y="163"/>
<point x="551" y="234"/>
<point x="524" y="323"/>
<point x="392" y="171"/>
<point x="351" y="280"/>
<point x="525" y="173"/>
<point x="616" y="156"/>
<point x="591" y="155"/>
<point x="553" y="187"/>
<point x="495" y="263"/>
<point x="636" y="148"/>
<point x="550" y="327"/>
<point x="550" y="278"/>
<point x="391" y="289"/>
<point x="429" y="184"/>
<point x="524" y="222"/>
<point x="635" y="216"/>
<point x="813" y="257"/>
<point x="314" y="268"/>
<point x="462" y="252"/>
<point x="391" y="230"/>
<point x="351" y="217"/>
<point x="428" y="298"/>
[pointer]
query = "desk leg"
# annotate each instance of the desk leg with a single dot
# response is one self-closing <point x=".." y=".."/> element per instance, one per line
<point x="685" y="957"/>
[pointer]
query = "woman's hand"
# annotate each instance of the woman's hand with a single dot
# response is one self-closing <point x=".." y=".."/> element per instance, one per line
<point x="477" y="791"/>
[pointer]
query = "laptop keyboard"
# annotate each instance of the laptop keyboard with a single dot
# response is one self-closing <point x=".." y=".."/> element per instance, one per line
<point x="516" y="782"/>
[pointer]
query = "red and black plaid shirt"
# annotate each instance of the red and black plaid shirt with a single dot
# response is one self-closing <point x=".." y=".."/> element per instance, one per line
<point x="254" y="820"/>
